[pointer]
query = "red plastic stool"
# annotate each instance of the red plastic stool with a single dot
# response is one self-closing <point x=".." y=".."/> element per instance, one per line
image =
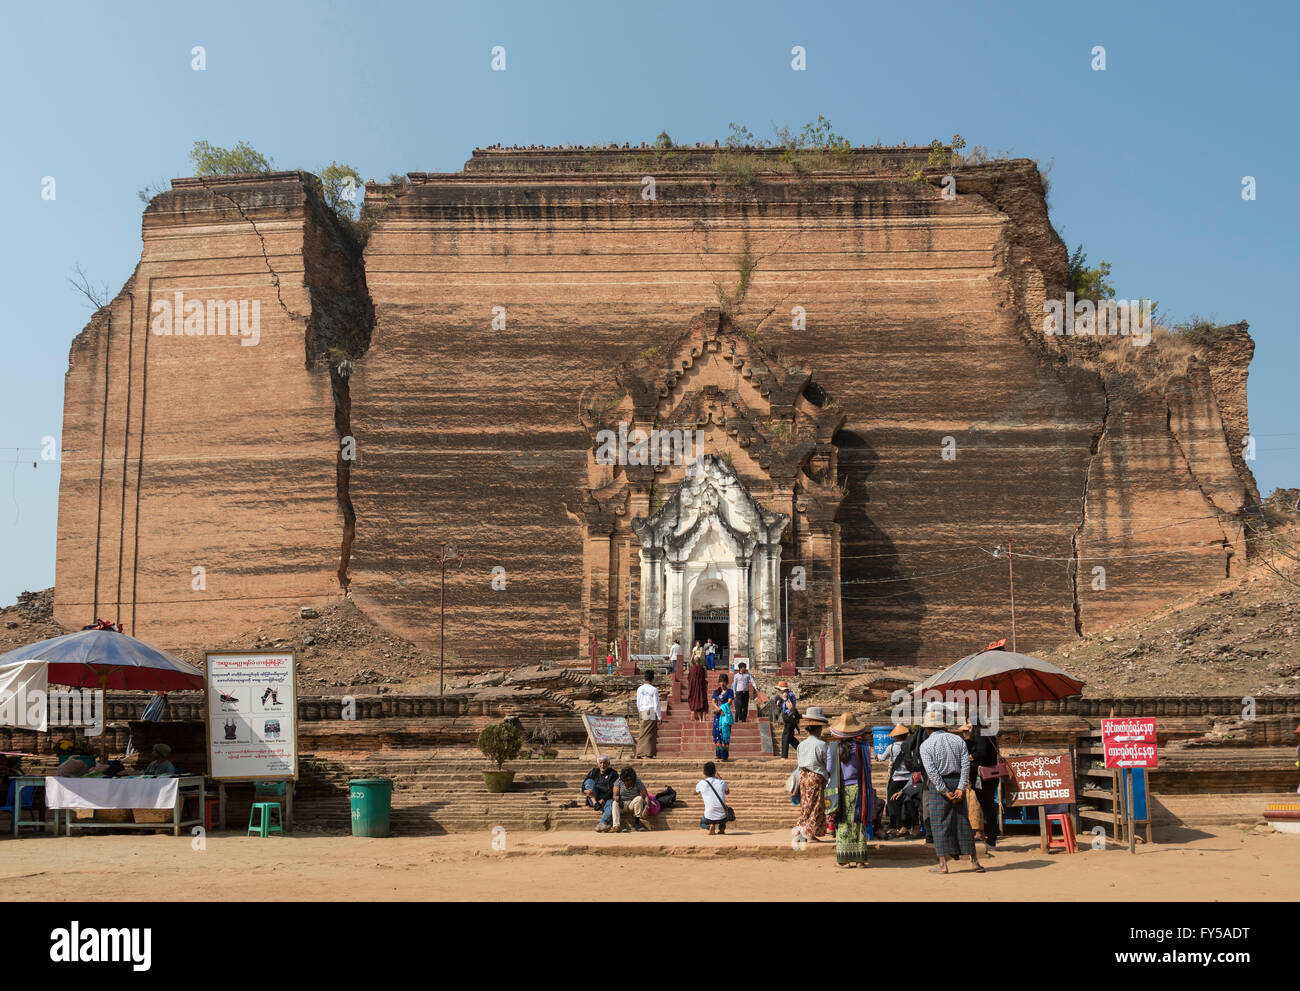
<point x="1067" y="833"/>
<point x="210" y="813"/>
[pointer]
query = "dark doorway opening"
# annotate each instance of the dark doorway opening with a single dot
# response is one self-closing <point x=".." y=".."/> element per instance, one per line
<point x="717" y="629"/>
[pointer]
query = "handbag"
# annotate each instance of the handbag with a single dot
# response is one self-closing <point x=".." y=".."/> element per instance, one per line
<point x="731" y="813"/>
<point x="998" y="770"/>
<point x="792" y="787"/>
<point x="974" y="812"/>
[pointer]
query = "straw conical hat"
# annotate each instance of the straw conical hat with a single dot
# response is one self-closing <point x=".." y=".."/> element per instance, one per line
<point x="846" y="724"/>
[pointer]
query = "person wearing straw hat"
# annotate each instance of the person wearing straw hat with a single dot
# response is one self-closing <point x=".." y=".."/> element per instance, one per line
<point x="947" y="766"/>
<point x="812" y="776"/>
<point x="903" y="810"/>
<point x="849" y="797"/>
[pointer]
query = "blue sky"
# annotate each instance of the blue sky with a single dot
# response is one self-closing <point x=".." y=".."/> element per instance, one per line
<point x="1148" y="156"/>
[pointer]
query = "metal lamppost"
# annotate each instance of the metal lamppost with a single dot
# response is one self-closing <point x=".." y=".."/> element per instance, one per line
<point x="447" y="552"/>
<point x="1011" y="572"/>
<point x="785" y="646"/>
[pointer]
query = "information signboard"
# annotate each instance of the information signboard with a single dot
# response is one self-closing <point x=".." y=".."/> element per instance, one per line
<point x="1045" y="780"/>
<point x="252" y="716"/>
<point x="1129" y="742"/>
<point x="607" y="731"/>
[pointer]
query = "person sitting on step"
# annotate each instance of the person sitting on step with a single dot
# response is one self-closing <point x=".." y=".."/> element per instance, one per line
<point x="598" y="788"/>
<point x="631" y="797"/>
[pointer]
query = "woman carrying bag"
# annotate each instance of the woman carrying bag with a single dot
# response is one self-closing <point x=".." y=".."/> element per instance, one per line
<point x="987" y="770"/>
<point x="850" y="800"/>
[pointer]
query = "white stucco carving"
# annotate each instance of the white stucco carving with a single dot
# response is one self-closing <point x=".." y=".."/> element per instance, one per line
<point x="710" y="530"/>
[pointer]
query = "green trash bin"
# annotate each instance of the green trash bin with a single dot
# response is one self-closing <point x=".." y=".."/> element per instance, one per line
<point x="372" y="800"/>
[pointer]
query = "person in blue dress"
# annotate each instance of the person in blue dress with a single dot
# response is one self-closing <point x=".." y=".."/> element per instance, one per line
<point x="723" y="717"/>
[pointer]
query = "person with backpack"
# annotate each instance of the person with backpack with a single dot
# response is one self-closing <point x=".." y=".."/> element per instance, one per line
<point x="902" y="809"/>
<point x="713" y="790"/>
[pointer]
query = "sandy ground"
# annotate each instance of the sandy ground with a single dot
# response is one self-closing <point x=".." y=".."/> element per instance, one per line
<point x="1212" y="864"/>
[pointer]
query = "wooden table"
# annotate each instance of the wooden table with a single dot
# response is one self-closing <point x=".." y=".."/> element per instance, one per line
<point x="187" y="786"/>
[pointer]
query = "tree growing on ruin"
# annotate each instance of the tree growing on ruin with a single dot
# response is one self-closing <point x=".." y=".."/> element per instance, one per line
<point x="1089" y="283"/>
<point x="343" y="190"/>
<point x="210" y="159"/>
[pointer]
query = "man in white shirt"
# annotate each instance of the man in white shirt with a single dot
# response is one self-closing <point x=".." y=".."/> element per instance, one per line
<point x="743" y="685"/>
<point x="648" y="708"/>
<point x="713" y="790"/>
<point x="675" y="656"/>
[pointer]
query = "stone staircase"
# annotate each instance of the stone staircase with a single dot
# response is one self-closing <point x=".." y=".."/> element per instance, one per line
<point x="444" y="793"/>
<point x="682" y="736"/>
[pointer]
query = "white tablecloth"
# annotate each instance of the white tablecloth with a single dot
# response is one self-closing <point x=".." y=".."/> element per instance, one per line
<point x="110" y="793"/>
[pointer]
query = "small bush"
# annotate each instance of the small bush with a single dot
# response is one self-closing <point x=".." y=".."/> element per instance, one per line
<point x="213" y="160"/>
<point x="500" y="742"/>
<point x="544" y="734"/>
<point x="1197" y="330"/>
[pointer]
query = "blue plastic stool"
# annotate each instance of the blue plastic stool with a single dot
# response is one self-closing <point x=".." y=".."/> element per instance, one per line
<point x="264" y="826"/>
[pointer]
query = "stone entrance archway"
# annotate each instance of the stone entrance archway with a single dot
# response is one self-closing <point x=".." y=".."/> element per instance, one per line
<point x="760" y="434"/>
<point x="712" y="544"/>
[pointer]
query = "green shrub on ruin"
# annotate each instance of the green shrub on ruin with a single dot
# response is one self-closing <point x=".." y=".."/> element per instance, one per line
<point x="341" y="185"/>
<point x="1089" y="283"/>
<point x="210" y="159"/>
<point x="500" y="742"/>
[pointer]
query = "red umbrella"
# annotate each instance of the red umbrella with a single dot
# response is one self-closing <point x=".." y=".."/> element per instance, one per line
<point x="1015" y="677"/>
<point x="102" y="658"/>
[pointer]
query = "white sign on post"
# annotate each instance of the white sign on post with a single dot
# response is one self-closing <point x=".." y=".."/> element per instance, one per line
<point x="252" y="716"/>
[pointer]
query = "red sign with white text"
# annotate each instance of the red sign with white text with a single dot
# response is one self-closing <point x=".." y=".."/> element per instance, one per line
<point x="1130" y="742"/>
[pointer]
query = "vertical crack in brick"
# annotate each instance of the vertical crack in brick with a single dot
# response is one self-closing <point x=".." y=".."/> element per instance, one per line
<point x="337" y="330"/>
<point x="1093" y="453"/>
<point x="342" y="392"/>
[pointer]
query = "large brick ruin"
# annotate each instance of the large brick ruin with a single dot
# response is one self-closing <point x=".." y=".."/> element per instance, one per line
<point x="862" y="357"/>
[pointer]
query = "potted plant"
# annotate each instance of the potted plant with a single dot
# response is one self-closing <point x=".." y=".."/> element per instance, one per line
<point x="500" y="742"/>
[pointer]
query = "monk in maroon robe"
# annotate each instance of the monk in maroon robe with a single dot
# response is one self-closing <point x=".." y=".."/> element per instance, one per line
<point x="697" y="694"/>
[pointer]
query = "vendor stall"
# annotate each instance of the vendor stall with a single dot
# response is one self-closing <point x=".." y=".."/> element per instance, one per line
<point x="139" y="794"/>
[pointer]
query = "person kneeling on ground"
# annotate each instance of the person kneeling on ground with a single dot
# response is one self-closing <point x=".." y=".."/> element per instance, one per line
<point x="713" y="790"/>
<point x="598" y="789"/>
<point x="631" y="797"/>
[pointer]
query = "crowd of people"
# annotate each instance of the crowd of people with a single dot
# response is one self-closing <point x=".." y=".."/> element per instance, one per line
<point x="620" y="795"/>
<point x="934" y="787"/>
